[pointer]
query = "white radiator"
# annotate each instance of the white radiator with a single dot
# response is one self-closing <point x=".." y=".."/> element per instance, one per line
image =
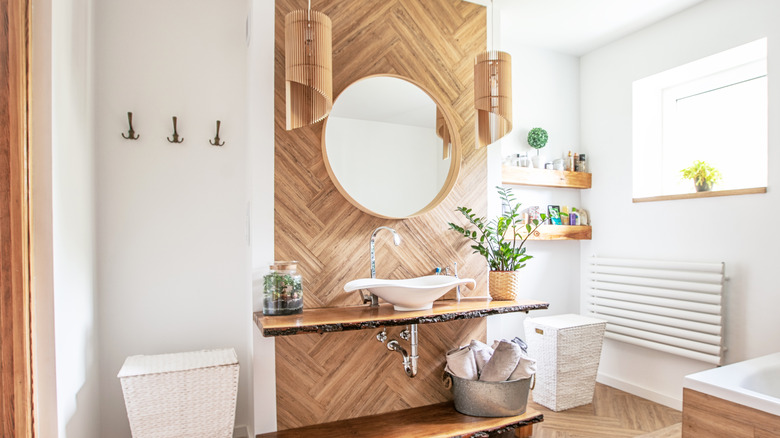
<point x="674" y="307"/>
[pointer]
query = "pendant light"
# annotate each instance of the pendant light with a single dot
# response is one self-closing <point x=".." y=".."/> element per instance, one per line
<point x="308" y="70"/>
<point x="444" y="133"/>
<point x="492" y="92"/>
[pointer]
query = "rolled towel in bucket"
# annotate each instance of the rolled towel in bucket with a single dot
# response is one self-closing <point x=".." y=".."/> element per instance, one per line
<point x="526" y="367"/>
<point x="461" y="363"/>
<point x="503" y="363"/>
<point x="482" y="353"/>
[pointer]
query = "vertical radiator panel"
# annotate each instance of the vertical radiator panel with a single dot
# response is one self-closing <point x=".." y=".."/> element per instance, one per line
<point x="667" y="306"/>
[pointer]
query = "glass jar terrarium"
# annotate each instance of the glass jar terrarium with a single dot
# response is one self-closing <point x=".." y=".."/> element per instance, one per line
<point x="283" y="290"/>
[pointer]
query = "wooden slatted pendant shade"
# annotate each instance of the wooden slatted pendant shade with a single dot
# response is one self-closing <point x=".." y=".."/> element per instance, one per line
<point x="308" y="67"/>
<point x="444" y="133"/>
<point x="493" y="95"/>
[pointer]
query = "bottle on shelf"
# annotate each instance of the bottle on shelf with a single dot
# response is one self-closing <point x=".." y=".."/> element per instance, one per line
<point x="564" y="214"/>
<point x="583" y="166"/>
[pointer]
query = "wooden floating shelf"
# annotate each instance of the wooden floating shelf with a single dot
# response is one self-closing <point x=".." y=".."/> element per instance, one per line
<point x="336" y="319"/>
<point x="433" y="421"/>
<point x="529" y="176"/>
<point x="562" y="232"/>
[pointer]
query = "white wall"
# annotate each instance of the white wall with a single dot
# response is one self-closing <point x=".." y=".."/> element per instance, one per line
<point x="42" y="283"/>
<point x="172" y="219"/>
<point x="545" y="88"/>
<point x="715" y="229"/>
<point x="365" y="155"/>
<point x="261" y="162"/>
<point x="73" y="220"/>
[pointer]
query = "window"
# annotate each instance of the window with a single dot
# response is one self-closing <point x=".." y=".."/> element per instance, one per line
<point x="713" y="110"/>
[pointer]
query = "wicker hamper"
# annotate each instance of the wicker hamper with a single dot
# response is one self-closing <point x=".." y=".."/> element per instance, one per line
<point x="181" y="395"/>
<point x="567" y="349"/>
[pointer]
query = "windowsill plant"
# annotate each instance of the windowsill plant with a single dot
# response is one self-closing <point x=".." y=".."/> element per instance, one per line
<point x="703" y="175"/>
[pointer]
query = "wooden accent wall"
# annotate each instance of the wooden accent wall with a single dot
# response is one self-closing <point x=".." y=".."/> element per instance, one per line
<point x="16" y="381"/>
<point x="344" y="375"/>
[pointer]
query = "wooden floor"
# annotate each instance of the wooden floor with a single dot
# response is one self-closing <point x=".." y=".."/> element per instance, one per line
<point x="613" y="414"/>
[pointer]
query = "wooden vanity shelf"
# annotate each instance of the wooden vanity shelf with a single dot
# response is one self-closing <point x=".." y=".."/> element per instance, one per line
<point x="562" y="232"/>
<point x="439" y="420"/>
<point x="528" y="176"/>
<point x="336" y="319"/>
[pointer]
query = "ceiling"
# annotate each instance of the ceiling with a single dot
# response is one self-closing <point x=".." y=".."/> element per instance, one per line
<point x="577" y="27"/>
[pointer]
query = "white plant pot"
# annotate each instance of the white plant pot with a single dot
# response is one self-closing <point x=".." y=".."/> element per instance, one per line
<point x="538" y="161"/>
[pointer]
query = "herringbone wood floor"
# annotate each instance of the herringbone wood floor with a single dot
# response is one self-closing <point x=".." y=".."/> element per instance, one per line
<point x="613" y="414"/>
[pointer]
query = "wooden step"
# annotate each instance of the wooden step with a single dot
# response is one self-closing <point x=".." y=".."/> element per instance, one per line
<point x="433" y="421"/>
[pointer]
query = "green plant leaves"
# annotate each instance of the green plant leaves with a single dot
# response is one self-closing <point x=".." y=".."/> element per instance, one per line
<point x="537" y="138"/>
<point x="502" y="250"/>
<point x="701" y="172"/>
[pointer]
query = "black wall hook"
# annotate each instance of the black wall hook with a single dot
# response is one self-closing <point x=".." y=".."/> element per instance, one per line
<point x="176" y="138"/>
<point x="216" y="141"/>
<point x="130" y="133"/>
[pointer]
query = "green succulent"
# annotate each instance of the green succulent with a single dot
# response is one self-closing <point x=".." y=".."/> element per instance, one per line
<point x="701" y="173"/>
<point x="537" y="138"/>
<point x="497" y="240"/>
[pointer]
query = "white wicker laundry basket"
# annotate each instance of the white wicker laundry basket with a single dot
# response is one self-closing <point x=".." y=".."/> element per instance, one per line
<point x="567" y="349"/>
<point x="181" y="395"/>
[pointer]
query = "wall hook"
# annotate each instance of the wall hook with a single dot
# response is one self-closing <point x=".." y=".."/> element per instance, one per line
<point x="176" y="138"/>
<point x="216" y="141"/>
<point x="130" y="133"/>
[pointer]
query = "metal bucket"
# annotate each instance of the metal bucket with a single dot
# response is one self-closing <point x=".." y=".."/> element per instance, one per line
<point x="490" y="399"/>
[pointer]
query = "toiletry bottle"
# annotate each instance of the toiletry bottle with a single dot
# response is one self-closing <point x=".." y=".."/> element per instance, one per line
<point x="564" y="215"/>
<point x="577" y="163"/>
<point x="570" y="162"/>
<point x="574" y="217"/>
<point x="583" y="165"/>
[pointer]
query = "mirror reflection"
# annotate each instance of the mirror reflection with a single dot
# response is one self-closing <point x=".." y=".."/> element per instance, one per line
<point x="382" y="150"/>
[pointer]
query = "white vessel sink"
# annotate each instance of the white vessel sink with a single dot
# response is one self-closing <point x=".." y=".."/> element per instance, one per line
<point x="411" y="293"/>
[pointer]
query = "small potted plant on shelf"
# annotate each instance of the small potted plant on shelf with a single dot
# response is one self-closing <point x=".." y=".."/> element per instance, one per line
<point x="283" y="290"/>
<point x="537" y="139"/>
<point x="703" y="175"/>
<point x="501" y="242"/>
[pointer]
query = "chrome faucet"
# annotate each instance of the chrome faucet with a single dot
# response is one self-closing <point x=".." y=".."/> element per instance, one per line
<point x="373" y="299"/>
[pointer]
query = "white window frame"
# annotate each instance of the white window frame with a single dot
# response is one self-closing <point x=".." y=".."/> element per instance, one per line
<point x="654" y="107"/>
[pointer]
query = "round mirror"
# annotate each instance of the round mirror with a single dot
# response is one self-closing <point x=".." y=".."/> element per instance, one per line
<point x="389" y="148"/>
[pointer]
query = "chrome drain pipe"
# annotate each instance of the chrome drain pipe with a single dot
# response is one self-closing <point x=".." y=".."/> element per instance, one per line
<point x="409" y="360"/>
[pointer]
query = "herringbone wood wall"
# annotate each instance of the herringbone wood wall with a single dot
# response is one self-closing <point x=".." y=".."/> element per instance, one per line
<point x="343" y="375"/>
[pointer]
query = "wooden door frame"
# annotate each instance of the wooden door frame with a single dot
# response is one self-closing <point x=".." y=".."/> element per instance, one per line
<point x="16" y="361"/>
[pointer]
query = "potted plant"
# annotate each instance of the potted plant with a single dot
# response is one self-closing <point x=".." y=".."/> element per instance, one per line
<point x="537" y="139"/>
<point x="501" y="243"/>
<point x="703" y="175"/>
<point x="282" y="290"/>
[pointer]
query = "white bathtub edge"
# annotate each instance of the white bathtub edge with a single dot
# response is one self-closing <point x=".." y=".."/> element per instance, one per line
<point x="640" y="391"/>
<point x="711" y="382"/>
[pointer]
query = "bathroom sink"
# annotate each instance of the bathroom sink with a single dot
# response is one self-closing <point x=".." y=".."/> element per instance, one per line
<point x="410" y="293"/>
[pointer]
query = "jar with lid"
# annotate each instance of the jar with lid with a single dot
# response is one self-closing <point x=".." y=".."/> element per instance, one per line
<point x="283" y="289"/>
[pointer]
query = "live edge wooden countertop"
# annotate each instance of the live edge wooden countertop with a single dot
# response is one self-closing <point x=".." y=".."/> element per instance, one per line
<point x="336" y="319"/>
<point x="436" y="421"/>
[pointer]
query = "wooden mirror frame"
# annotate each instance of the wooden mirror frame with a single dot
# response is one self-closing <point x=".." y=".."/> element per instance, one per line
<point x="16" y="365"/>
<point x="455" y="154"/>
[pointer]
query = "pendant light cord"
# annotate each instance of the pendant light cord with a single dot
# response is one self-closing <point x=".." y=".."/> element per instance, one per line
<point x="492" y="26"/>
